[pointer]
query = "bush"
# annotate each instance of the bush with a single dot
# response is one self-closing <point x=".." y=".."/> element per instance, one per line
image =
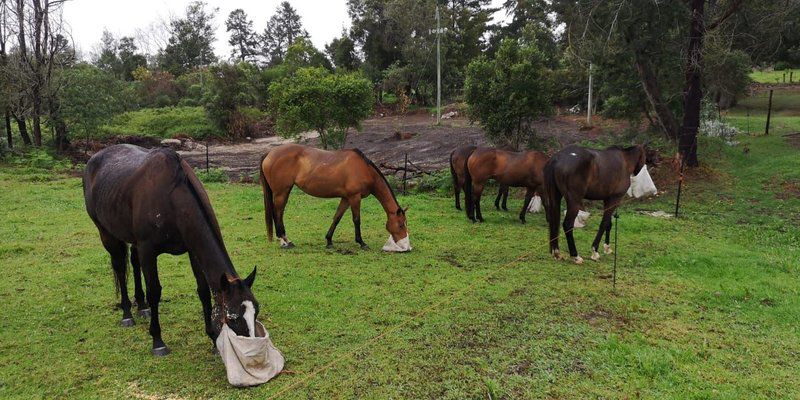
<point x="162" y="123"/>
<point x="508" y="94"/>
<point x="782" y="66"/>
<point x="316" y="99"/>
<point x="232" y="88"/>
<point x="216" y="175"/>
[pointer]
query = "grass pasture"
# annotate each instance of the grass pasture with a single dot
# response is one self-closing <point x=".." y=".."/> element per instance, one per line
<point x="775" y="76"/>
<point x="706" y="306"/>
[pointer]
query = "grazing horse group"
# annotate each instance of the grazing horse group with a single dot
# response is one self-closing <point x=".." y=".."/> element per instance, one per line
<point x="152" y="201"/>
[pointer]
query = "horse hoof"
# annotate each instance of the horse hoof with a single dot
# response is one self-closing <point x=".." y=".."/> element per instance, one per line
<point x="126" y="322"/>
<point x="595" y="256"/>
<point x="364" y="246"/>
<point x="214" y="350"/>
<point x="607" y="249"/>
<point x="522" y="221"/>
<point x="144" y="313"/>
<point x="287" y="245"/>
<point x="160" y="351"/>
<point x="329" y="246"/>
<point x="578" y="260"/>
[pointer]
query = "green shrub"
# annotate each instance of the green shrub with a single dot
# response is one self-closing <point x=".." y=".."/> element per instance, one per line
<point x="162" y="123"/>
<point x="216" y="175"/>
<point x="439" y="182"/>
<point x="782" y="66"/>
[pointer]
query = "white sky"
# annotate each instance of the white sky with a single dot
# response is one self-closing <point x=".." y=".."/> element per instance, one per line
<point x="323" y="19"/>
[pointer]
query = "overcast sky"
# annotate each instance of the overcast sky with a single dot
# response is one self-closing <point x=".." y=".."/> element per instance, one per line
<point x="323" y="19"/>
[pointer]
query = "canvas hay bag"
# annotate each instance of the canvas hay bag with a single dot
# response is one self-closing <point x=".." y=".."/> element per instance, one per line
<point x="249" y="361"/>
<point x="399" y="246"/>
<point x="642" y="185"/>
<point x="535" y="205"/>
<point x="580" y="219"/>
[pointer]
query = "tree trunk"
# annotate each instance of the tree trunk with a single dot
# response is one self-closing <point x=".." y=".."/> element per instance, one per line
<point x="666" y="120"/>
<point x="693" y="92"/>
<point x="10" y="138"/>
<point x="23" y="130"/>
<point x="36" y="97"/>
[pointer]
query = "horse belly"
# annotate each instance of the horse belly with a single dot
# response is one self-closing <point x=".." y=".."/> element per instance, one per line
<point x="322" y="187"/>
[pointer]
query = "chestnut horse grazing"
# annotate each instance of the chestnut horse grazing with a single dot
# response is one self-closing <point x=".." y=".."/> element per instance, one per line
<point x="577" y="173"/>
<point x="345" y="174"/>
<point x="508" y="168"/>
<point x="153" y="200"/>
<point x="458" y="164"/>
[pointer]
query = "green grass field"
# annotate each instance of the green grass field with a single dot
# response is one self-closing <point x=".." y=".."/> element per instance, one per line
<point x="706" y="306"/>
<point x="775" y="76"/>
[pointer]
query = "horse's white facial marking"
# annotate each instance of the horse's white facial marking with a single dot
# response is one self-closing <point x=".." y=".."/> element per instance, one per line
<point x="573" y="154"/>
<point x="250" y="317"/>
<point x="607" y="249"/>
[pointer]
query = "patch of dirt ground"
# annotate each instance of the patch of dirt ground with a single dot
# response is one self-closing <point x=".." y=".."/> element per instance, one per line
<point x="428" y="146"/>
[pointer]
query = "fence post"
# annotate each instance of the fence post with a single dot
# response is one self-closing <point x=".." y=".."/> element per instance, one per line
<point x="791" y="79"/>
<point x="616" y="233"/>
<point x="769" y="113"/>
<point x="405" y="172"/>
<point x="206" y="156"/>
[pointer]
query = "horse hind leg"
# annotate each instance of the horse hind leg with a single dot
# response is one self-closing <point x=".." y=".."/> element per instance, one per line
<point x="280" y="201"/>
<point x="148" y="259"/>
<point x="525" y="204"/>
<point x="573" y="207"/>
<point x="477" y="192"/>
<point x="118" y="251"/>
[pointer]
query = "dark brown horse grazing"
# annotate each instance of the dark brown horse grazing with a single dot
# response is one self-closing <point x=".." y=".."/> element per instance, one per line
<point x="577" y="173"/>
<point x="458" y="164"/>
<point x="509" y="168"/>
<point x="345" y="174"/>
<point x="153" y="200"/>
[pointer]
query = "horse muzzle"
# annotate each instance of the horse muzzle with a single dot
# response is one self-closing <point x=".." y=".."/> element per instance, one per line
<point x="399" y="246"/>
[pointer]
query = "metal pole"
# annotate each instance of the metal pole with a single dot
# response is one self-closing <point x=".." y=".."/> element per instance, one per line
<point x="438" y="70"/>
<point x="206" y="156"/>
<point x="616" y="232"/>
<point x="680" y="186"/>
<point x="405" y="171"/>
<point x="769" y="113"/>
<point x="589" y="103"/>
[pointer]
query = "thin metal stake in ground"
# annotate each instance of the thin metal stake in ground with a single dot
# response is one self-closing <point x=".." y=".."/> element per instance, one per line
<point x="769" y="113"/>
<point x="206" y="156"/>
<point x="616" y="232"/>
<point x="405" y="171"/>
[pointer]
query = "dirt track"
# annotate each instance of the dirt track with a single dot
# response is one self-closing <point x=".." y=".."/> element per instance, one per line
<point x="428" y="147"/>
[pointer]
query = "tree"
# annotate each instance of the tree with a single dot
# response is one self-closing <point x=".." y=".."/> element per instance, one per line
<point x="283" y="28"/>
<point x="508" y="94"/>
<point x="5" y="76"/>
<point x="316" y="99"/>
<point x="191" y="40"/>
<point x="243" y="40"/>
<point x="106" y="58"/>
<point x="303" y="54"/>
<point x="232" y="88"/>
<point x="129" y="58"/>
<point x="342" y="52"/>
<point x="91" y="98"/>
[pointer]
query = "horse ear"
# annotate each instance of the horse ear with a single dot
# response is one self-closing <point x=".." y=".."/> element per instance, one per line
<point x="251" y="278"/>
<point x="224" y="285"/>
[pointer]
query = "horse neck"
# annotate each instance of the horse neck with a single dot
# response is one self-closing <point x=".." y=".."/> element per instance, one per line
<point x="631" y="158"/>
<point x="383" y="193"/>
<point x="206" y="249"/>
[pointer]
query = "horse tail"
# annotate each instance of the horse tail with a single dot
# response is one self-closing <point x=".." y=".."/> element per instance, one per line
<point x="453" y="172"/>
<point x="269" y="205"/>
<point x="552" y="202"/>
<point x="468" y="190"/>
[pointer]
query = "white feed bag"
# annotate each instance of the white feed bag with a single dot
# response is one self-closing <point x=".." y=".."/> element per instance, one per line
<point x="249" y="361"/>
<point x="399" y="246"/>
<point x="535" y="206"/>
<point x="580" y="219"/>
<point x="642" y="185"/>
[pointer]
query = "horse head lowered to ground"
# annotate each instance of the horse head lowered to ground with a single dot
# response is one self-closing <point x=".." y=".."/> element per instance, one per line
<point x="152" y="200"/>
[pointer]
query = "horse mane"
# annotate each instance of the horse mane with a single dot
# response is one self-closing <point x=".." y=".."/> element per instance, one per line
<point x="378" y="170"/>
<point x="185" y="175"/>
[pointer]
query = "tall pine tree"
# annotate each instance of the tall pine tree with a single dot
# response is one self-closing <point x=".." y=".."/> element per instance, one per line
<point x="283" y="28"/>
<point x="243" y="40"/>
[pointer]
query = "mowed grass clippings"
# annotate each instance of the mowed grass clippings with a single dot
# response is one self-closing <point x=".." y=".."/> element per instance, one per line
<point x="706" y="306"/>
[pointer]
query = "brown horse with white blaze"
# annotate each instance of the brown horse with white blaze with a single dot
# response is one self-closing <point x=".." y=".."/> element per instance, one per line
<point x="458" y="159"/>
<point x="577" y="173"/>
<point x="509" y="168"/>
<point x="345" y="174"/>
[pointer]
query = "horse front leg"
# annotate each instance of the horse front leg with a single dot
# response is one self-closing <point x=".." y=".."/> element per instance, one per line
<point x="611" y="205"/>
<point x="528" y="196"/>
<point x="355" y="208"/>
<point x="148" y="259"/>
<point x="505" y="197"/>
<point x="138" y="292"/>
<point x="605" y="225"/>
<point x="498" y="198"/>
<point x="343" y="205"/>
<point x="204" y="293"/>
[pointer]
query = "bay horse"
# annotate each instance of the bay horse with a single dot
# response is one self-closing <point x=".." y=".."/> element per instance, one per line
<point x="152" y="200"/>
<point x="345" y="174"/>
<point x="458" y="158"/>
<point x="509" y="168"/>
<point x="577" y="173"/>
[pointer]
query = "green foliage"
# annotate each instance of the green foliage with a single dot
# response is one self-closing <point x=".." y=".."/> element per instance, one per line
<point x="190" y="42"/>
<point x="726" y="73"/>
<point x="342" y="52"/>
<point x="315" y="99"/>
<point x="508" y="94"/>
<point x="283" y="29"/>
<point x="232" y="87"/>
<point x="193" y="87"/>
<point x="303" y="54"/>
<point x="782" y="66"/>
<point x="91" y="98"/>
<point x="244" y="41"/>
<point x="217" y="175"/>
<point x="156" y="88"/>
<point x="164" y="122"/>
